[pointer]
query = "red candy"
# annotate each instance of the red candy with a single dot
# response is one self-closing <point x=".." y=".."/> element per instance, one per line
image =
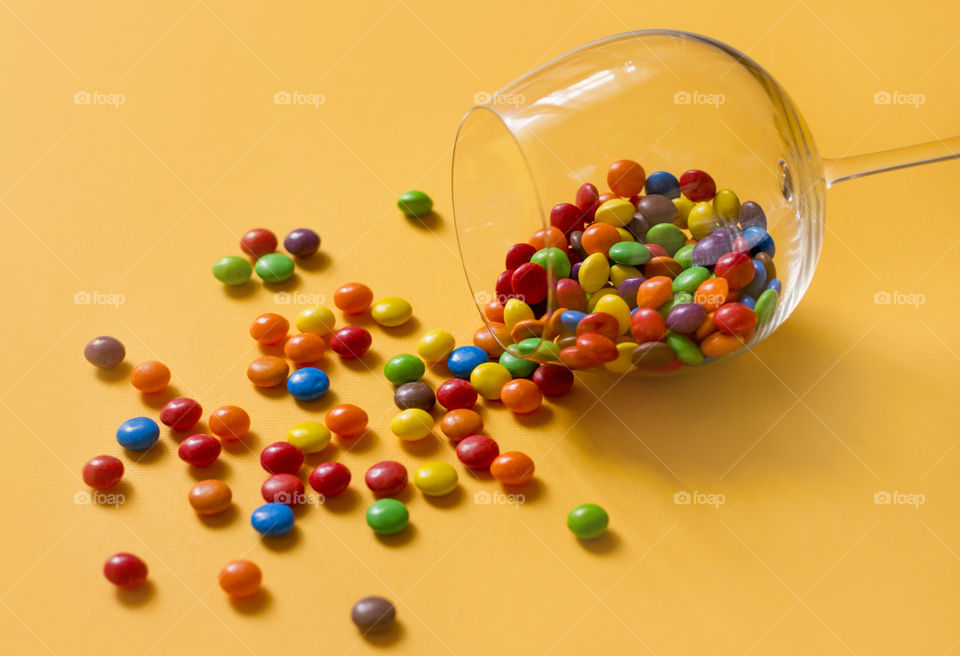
<point x="552" y="379"/>
<point x="181" y="413"/>
<point x="656" y="250"/>
<point x="283" y="488"/>
<point x="504" y="286"/>
<point x="281" y="458"/>
<point x="386" y="478"/>
<point x="529" y="283"/>
<point x="697" y="185"/>
<point x="588" y="200"/>
<point x="477" y="451"/>
<point x="734" y="319"/>
<point x="647" y="325"/>
<point x="351" y="341"/>
<point x="199" y="450"/>
<point x="599" y="322"/>
<point x="566" y="218"/>
<point x="102" y="472"/>
<point x="125" y="570"/>
<point x="598" y="347"/>
<point x="456" y="393"/>
<point x="519" y="254"/>
<point x="258" y="242"/>
<point x="570" y="295"/>
<point x="330" y="478"/>
<point x="576" y="358"/>
<point x="737" y="268"/>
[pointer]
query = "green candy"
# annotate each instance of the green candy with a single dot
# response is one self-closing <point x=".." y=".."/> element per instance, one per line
<point x="553" y="259"/>
<point x="404" y="368"/>
<point x="387" y="516"/>
<point x="678" y="298"/>
<point x="588" y="521"/>
<point x="274" y="267"/>
<point x="518" y="367"/>
<point x="690" y="279"/>
<point x="543" y="349"/>
<point x="667" y="235"/>
<point x="684" y="256"/>
<point x="415" y="204"/>
<point x="685" y="349"/>
<point x="232" y="270"/>
<point x="766" y="306"/>
<point x="630" y="253"/>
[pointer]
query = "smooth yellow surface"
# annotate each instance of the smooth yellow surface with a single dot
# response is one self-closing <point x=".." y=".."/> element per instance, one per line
<point x="850" y="401"/>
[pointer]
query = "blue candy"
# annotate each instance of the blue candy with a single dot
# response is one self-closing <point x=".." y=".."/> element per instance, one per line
<point x="138" y="434"/>
<point x="749" y="301"/>
<point x="775" y="285"/>
<point x="272" y="519"/>
<point x="308" y="384"/>
<point x="464" y="359"/>
<point x="759" y="240"/>
<point x="759" y="280"/>
<point x="663" y="183"/>
<point x="569" y="320"/>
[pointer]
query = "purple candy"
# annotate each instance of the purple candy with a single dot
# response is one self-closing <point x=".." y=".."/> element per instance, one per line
<point x="686" y="317"/>
<point x="302" y="242"/>
<point x="712" y="247"/>
<point x="752" y="214"/>
<point x="628" y="290"/>
<point x="575" y="271"/>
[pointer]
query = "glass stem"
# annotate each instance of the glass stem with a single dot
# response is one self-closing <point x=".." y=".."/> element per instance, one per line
<point x="857" y="166"/>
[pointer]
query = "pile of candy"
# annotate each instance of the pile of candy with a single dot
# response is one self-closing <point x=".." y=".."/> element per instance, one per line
<point x="676" y="277"/>
<point x="260" y="245"/>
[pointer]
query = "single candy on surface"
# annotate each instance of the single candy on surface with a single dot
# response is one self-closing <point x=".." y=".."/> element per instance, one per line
<point x="272" y="520"/>
<point x="588" y="521"/>
<point x="240" y="578"/>
<point x="391" y="311"/>
<point x="229" y="423"/>
<point x="181" y="413"/>
<point x="697" y="185"/>
<point x="435" y="478"/>
<point x="522" y="396"/>
<point x="199" y="450"/>
<point x="464" y="359"/>
<point x="351" y="341"/>
<point x="232" y="270"/>
<point x="104" y="352"/>
<point x="330" y="478"/>
<point x="305" y="348"/>
<point x="686" y="317"/>
<point x="138" y="433"/>
<point x="302" y="242"/>
<point x="735" y="319"/>
<point x="456" y="393"/>
<point x="269" y="328"/>
<point x="387" y="516"/>
<point x="626" y="178"/>
<point x="415" y="204"/>
<point x="487" y="378"/>
<point x="308" y="384"/>
<point x="268" y="371"/>
<point x="317" y="320"/>
<point x="353" y="298"/>
<point x="309" y="436"/>
<point x="404" y="368"/>
<point x="347" y="420"/>
<point x="281" y="458"/>
<point x="477" y="451"/>
<point x="766" y="306"/>
<point x="125" y="570"/>
<point x="210" y="497"/>
<point x="283" y="488"/>
<point x="102" y="472"/>
<point x="274" y="267"/>
<point x="150" y="377"/>
<point x="412" y="425"/>
<point x="457" y="424"/>
<point x="258" y="242"/>
<point x="373" y="614"/>
<point x="414" y="395"/>
<point x="386" y="478"/>
<point x="435" y="345"/>
<point x="751" y="214"/>
<point x="663" y="183"/>
<point x="656" y="209"/>
<point x="512" y="468"/>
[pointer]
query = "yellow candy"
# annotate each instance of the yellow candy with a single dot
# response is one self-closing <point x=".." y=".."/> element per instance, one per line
<point x="515" y="311"/>
<point x="391" y="311"/>
<point x="616" y="307"/>
<point x="702" y="220"/>
<point x="683" y="205"/>
<point x="317" y="320"/>
<point x="594" y="272"/>
<point x="625" y="235"/>
<point x="488" y="378"/>
<point x="616" y="212"/>
<point x="309" y="436"/>
<point x="620" y="272"/>
<point x="435" y="345"/>
<point x="726" y="204"/>
<point x="624" y="361"/>
<point x="436" y="478"/>
<point x="412" y="425"/>
<point x="595" y="298"/>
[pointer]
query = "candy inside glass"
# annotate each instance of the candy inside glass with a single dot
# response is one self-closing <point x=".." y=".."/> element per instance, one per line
<point x="671" y="101"/>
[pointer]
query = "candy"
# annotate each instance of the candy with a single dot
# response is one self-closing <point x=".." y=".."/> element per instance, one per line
<point x="735" y="319"/>
<point x="232" y="270"/>
<point x="594" y="272"/>
<point x="616" y="307"/>
<point x="415" y="204"/>
<point x="351" y="342"/>
<point x="477" y="451"/>
<point x="623" y="363"/>
<point x="317" y="320"/>
<point x="308" y="384"/>
<point x="229" y="423"/>
<point x="566" y="218"/>
<point x="412" y="425"/>
<point x="625" y="178"/>
<point x="775" y="285"/>
<point x="552" y="379"/>
<point x="587" y="200"/>
<point x="766" y="306"/>
<point x="404" y="368"/>
<point x="662" y="183"/>
<point x="414" y="395"/>
<point x="690" y="279"/>
<point x="435" y="345"/>
<point x="302" y="242"/>
<point x="330" y="478"/>
<point x="274" y="267"/>
<point x="240" y="578"/>
<point x="588" y="521"/>
<point x="346" y="420"/>
<point x="652" y="355"/>
<point x="457" y="424"/>
<point x="708" y="250"/>
<point x="662" y="265"/>
<point x="464" y="359"/>
<point x="102" y="472"/>
<point x="199" y="450"/>
<point x="522" y="396"/>
<point x="268" y="371"/>
<point x="685" y="349"/>
<point x="309" y="436"/>
<point x="726" y="204"/>
<point x="616" y="212"/>
<point x="736" y="269"/>
<point x="125" y="570"/>
<point x="519" y="254"/>
<point x="493" y="311"/>
<point x="353" y="298"/>
<point x="718" y="344"/>
<point x="518" y="367"/>
<point x="667" y="235"/>
<point x="283" y="488"/>
<point x="491" y="339"/>
<point x="554" y="261"/>
<point x="210" y="497"/>
<point x="514" y="312"/>
<point x="751" y="214"/>
<point x="656" y="209"/>
<point x="387" y="516"/>
<point x="599" y="322"/>
<point x="435" y="478"/>
<point x="551" y="237"/>
<point x="150" y="377"/>
<point x="305" y="348"/>
<point x="487" y="378"/>
<point x="759" y="281"/>
<point x="258" y="242"/>
<point x="269" y="328"/>
<point x="272" y="520"/>
<point x="647" y="325"/>
<point x="697" y="185"/>
<point x="281" y="458"/>
<point x="456" y="393"/>
<point x="104" y="352"/>
<point x="373" y="615"/>
<point x="685" y="317"/>
<point x="512" y="468"/>
<point x="684" y="255"/>
<point x="529" y="283"/>
<point x="630" y="253"/>
<point x="181" y="413"/>
<point x="138" y="433"/>
<point x="598" y="238"/>
<point x="386" y="478"/>
<point x="391" y="311"/>
<point x="701" y="220"/>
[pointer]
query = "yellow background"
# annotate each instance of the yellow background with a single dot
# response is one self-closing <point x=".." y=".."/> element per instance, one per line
<point x="848" y="399"/>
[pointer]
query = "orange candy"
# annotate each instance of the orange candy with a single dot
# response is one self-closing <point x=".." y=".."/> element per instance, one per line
<point x="521" y="396"/>
<point x="526" y="328"/>
<point x="553" y="327"/>
<point x="654" y="292"/>
<point x="229" y="423"/>
<point x="269" y="328"/>
<point x="625" y="178"/>
<point x="717" y="343"/>
<point x="707" y="327"/>
<point x="662" y="266"/>
<point x="458" y="424"/>
<point x="346" y="420"/>
<point x="493" y="311"/>
<point x="304" y="348"/>
<point x="353" y="298"/>
<point x="551" y="237"/>
<point x="150" y="377"/>
<point x="598" y="238"/>
<point x="210" y="497"/>
<point x="576" y="358"/>
<point x="240" y="578"/>
<point x="268" y="371"/>
<point x="484" y="338"/>
<point x="712" y="293"/>
<point x="512" y="468"/>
